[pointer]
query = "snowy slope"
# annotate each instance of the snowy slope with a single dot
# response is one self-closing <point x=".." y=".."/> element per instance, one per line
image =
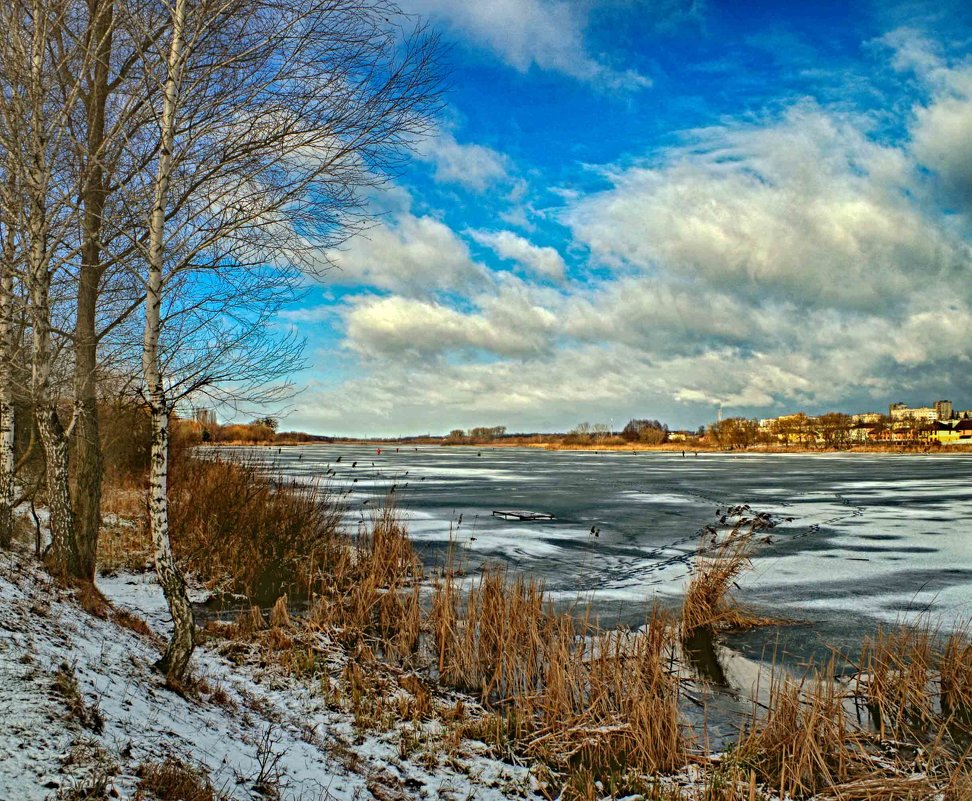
<point x="314" y="751"/>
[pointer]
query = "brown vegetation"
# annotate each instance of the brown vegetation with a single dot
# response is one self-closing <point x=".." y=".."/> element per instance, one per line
<point x="955" y="672"/>
<point x="595" y="706"/>
<point x="708" y="602"/>
<point x="802" y="743"/>
<point x="244" y="532"/>
<point x="174" y="780"/>
<point x="66" y="686"/>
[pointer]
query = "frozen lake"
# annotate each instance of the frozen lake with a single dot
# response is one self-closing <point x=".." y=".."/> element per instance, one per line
<point x="873" y="538"/>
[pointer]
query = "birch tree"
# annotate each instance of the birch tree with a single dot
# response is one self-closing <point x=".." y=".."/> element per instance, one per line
<point x="275" y="116"/>
<point x="35" y="112"/>
<point x="179" y="650"/>
<point x="7" y="414"/>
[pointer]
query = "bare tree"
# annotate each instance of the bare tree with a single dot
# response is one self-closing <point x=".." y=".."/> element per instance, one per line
<point x="35" y="111"/>
<point x="274" y="116"/>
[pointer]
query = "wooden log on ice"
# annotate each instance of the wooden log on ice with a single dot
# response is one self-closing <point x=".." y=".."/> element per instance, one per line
<point x="513" y="514"/>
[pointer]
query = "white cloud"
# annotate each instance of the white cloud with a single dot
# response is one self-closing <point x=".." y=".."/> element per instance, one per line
<point x="396" y="326"/>
<point x="808" y="209"/>
<point x="544" y="262"/>
<point x="941" y="140"/>
<point x="407" y="253"/>
<point x="940" y="128"/>
<point x="474" y="166"/>
<point x="548" y="34"/>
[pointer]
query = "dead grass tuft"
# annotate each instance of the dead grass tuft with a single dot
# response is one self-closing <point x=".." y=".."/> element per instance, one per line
<point x="67" y="687"/>
<point x="174" y="780"/>
<point x="134" y="623"/>
<point x="956" y="675"/>
<point x="708" y="603"/>
<point x="895" y="680"/>
<point x="279" y="616"/>
<point x="91" y="770"/>
<point x="90" y="599"/>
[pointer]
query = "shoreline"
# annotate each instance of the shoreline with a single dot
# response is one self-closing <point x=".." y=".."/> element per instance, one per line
<point x="668" y="447"/>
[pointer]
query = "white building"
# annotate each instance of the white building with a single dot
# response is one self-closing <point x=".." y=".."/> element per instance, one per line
<point x="900" y="412"/>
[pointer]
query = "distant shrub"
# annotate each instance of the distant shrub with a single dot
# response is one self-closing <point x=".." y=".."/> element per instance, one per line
<point x="251" y="432"/>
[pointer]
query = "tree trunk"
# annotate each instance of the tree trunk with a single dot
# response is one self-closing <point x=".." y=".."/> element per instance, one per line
<point x="7" y="420"/>
<point x="176" y="658"/>
<point x="61" y="557"/>
<point x="88" y="467"/>
<point x="175" y="661"/>
<point x="87" y="439"/>
<point x="37" y="182"/>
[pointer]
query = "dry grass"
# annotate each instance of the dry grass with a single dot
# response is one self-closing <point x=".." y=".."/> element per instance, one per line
<point x="594" y="706"/>
<point x="67" y="687"/>
<point x="955" y="669"/>
<point x="371" y="588"/>
<point x="895" y="681"/>
<point x="134" y="623"/>
<point x="174" y="780"/>
<point x="708" y="603"/>
<point x="124" y="542"/>
<point x="279" y="615"/>
<point x="245" y="532"/>
<point x="803" y="743"/>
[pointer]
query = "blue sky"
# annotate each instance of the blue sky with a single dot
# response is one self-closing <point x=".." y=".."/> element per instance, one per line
<point x="634" y="209"/>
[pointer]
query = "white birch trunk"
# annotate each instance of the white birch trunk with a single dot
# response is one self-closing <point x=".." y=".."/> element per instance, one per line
<point x="177" y="655"/>
<point x="49" y="425"/>
<point x="7" y="419"/>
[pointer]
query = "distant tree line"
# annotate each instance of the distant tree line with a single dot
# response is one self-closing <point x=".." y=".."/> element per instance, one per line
<point x="477" y="435"/>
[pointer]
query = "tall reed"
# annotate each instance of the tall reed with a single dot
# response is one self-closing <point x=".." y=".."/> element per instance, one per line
<point x="595" y="705"/>
<point x="708" y="602"/>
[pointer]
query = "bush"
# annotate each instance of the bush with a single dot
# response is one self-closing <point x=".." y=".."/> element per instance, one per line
<point x="238" y="528"/>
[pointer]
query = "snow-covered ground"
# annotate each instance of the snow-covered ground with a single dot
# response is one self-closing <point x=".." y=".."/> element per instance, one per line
<point x="244" y="716"/>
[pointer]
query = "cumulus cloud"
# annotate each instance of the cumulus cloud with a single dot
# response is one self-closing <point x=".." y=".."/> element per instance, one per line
<point x="396" y="326"/>
<point x="808" y="209"/>
<point x="407" y="253"/>
<point x="474" y="166"/>
<point x="940" y="126"/>
<point x="548" y="34"/>
<point x="941" y="141"/>
<point x="544" y="262"/>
